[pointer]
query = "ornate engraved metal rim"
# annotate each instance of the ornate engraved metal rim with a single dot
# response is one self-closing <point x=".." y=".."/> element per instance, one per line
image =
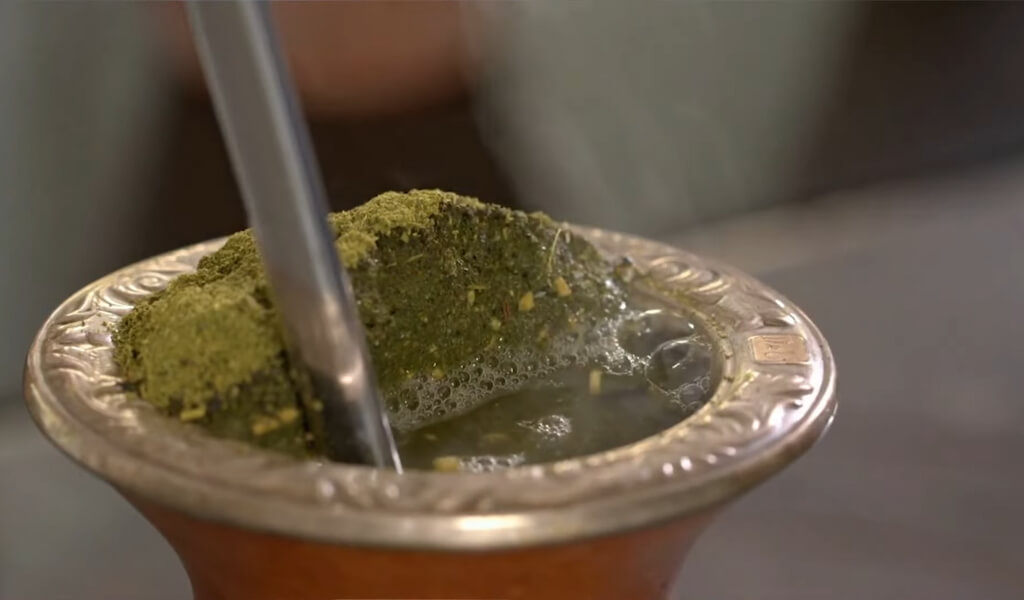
<point x="775" y="398"/>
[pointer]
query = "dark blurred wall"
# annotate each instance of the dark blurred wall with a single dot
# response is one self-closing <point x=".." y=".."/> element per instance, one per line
<point x="924" y="86"/>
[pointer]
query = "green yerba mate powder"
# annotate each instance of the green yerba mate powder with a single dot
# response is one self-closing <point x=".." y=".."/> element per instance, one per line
<point x="443" y="282"/>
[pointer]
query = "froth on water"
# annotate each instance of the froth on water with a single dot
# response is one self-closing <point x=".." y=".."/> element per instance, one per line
<point x="584" y="394"/>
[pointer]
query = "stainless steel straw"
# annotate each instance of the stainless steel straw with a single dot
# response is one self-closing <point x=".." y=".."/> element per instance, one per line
<point x="269" y="145"/>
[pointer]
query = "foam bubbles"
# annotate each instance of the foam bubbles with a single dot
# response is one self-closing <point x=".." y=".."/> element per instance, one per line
<point x="652" y="342"/>
<point x="550" y="426"/>
<point x="644" y="332"/>
<point x="484" y="463"/>
<point x="424" y="400"/>
<point x="678" y="363"/>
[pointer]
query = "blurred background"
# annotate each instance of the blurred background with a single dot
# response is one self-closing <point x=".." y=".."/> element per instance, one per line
<point x="863" y="158"/>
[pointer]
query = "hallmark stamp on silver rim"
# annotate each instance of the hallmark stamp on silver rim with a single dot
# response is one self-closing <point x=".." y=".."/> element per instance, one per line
<point x="780" y="349"/>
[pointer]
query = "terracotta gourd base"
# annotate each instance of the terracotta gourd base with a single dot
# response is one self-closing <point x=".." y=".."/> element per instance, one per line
<point x="228" y="563"/>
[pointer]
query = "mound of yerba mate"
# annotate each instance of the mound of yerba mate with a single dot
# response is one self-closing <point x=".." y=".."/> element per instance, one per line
<point x="450" y="290"/>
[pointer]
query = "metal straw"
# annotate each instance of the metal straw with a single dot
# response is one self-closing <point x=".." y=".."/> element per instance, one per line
<point x="273" y="160"/>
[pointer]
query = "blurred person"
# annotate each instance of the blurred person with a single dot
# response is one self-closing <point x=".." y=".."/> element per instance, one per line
<point x="647" y="117"/>
<point x="695" y="111"/>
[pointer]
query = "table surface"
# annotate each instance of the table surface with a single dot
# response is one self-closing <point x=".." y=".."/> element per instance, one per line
<point x="915" y="493"/>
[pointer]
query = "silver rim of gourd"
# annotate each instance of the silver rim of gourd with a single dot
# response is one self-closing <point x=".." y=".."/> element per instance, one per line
<point x="774" y="398"/>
